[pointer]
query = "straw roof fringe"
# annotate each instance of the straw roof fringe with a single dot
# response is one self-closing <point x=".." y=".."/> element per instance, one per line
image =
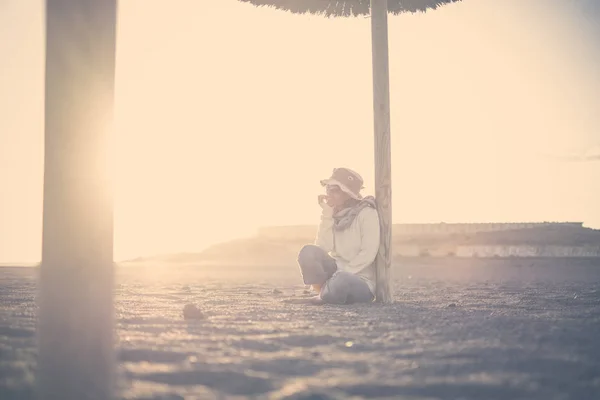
<point x="348" y="8"/>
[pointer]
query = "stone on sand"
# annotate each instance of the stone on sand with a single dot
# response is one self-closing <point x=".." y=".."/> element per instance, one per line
<point x="190" y="311"/>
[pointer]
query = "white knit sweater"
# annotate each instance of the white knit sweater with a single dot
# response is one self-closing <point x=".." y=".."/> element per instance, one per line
<point x="355" y="248"/>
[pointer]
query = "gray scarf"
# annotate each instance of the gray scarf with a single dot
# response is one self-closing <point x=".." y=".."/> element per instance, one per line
<point x="344" y="218"/>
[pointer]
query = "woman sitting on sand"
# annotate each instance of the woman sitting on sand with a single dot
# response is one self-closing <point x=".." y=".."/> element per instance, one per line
<point x="340" y="265"/>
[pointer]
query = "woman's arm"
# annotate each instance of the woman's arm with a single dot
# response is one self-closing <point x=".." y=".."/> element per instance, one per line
<point x="370" y="235"/>
<point x="325" y="232"/>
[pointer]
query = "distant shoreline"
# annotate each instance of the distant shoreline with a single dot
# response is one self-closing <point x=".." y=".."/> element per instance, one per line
<point x="18" y="265"/>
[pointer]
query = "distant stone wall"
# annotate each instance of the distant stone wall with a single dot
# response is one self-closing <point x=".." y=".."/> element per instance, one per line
<point x="487" y="251"/>
<point x="443" y="228"/>
<point x="413" y="248"/>
<point x="528" y="251"/>
<point x="308" y="232"/>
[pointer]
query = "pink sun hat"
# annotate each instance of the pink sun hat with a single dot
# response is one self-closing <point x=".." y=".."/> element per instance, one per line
<point x="348" y="181"/>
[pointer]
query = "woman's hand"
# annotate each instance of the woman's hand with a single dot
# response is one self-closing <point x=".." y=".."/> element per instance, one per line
<point x="323" y="200"/>
<point x="324" y="203"/>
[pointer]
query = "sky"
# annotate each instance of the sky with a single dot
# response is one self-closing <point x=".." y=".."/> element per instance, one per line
<point x="228" y="115"/>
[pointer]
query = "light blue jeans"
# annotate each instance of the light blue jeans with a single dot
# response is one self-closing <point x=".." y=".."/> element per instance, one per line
<point x="338" y="287"/>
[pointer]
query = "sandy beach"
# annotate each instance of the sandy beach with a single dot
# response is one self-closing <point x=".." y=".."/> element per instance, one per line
<point x="464" y="329"/>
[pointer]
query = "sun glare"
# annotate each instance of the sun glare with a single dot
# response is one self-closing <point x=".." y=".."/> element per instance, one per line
<point x="207" y="135"/>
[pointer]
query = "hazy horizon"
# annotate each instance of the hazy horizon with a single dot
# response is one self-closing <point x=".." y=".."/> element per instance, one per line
<point x="494" y="118"/>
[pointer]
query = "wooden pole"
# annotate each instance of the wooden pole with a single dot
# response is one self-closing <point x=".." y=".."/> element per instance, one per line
<point x="76" y="357"/>
<point x="383" y="171"/>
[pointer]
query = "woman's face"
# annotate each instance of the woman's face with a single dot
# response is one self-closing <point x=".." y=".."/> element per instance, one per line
<point x="336" y="197"/>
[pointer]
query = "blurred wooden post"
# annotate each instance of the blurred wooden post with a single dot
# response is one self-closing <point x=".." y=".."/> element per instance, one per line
<point x="383" y="172"/>
<point x="76" y="357"/>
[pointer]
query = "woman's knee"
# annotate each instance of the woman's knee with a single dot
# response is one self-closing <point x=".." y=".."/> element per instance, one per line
<point x="309" y="253"/>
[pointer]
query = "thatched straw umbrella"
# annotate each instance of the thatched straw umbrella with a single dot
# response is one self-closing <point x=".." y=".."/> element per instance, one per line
<point x="76" y="273"/>
<point x="381" y="99"/>
<point x="349" y="8"/>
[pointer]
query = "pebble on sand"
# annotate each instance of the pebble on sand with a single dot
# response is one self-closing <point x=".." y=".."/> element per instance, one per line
<point x="451" y="305"/>
<point x="277" y="291"/>
<point x="190" y="311"/>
